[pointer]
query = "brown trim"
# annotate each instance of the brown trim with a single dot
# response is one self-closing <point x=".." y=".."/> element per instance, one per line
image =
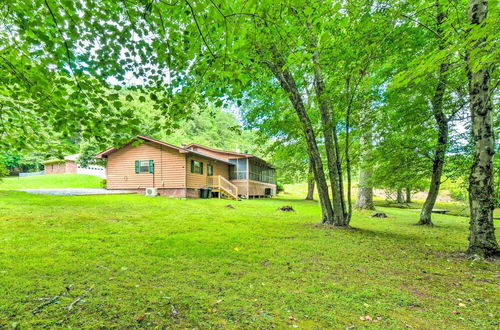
<point x="197" y="153"/>
<point x="218" y="150"/>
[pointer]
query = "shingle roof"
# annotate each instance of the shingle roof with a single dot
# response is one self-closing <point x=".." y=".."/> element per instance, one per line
<point x="106" y="152"/>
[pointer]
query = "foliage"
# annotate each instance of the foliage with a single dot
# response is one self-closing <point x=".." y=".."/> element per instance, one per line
<point x="17" y="162"/>
<point x="87" y="150"/>
<point x="280" y="188"/>
<point x="3" y="171"/>
<point x="207" y="125"/>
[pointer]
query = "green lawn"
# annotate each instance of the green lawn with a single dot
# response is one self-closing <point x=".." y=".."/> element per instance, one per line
<point x="51" y="181"/>
<point x="159" y="262"/>
<point x="455" y="208"/>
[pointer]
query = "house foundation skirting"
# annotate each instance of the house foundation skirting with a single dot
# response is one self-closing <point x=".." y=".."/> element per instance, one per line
<point x="173" y="192"/>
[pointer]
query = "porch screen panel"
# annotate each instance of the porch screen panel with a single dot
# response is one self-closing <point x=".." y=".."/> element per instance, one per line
<point x="239" y="170"/>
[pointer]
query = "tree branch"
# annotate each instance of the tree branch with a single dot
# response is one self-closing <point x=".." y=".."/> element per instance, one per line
<point x="199" y="29"/>
<point x="68" y="53"/>
<point x="422" y="24"/>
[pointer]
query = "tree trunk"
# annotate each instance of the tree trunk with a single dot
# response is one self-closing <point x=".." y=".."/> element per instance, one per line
<point x="347" y="155"/>
<point x="442" y="141"/>
<point x="310" y="183"/>
<point x="439" y="157"/>
<point x="332" y="152"/>
<point x="399" y="196"/>
<point x="482" y="240"/>
<point x="408" y="196"/>
<point x="364" y="199"/>
<point x="288" y="84"/>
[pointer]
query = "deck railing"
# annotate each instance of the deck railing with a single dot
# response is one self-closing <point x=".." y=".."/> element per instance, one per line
<point x="220" y="182"/>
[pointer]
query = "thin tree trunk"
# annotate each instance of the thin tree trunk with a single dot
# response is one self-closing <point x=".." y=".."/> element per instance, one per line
<point x="338" y="161"/>
<point x="482" y="240"/>
<point x="310" y="183"/>
<point x="364" y="199"/>
<point x="399" y="196"/>
<point x="442" y="142"/>
<point x="438" y="162"/>
<point x="288" y="84"/>
<point x="408" y="196"/>
<point x="332" y="154"/>
<point x="347" y="156"/>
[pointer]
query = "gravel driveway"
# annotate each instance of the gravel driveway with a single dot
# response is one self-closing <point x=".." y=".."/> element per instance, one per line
<point x="75" y="191"/>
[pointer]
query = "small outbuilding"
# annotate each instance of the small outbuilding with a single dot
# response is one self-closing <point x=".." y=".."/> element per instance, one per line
<point x="61" y="166"/>
<point x="69" y="165"/>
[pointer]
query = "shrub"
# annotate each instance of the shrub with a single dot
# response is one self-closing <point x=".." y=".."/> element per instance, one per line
<point x="279" y="188"/>
<point x="103" y="183"/>
<point x="459" y="194"/>
<point x="3" y="171"/>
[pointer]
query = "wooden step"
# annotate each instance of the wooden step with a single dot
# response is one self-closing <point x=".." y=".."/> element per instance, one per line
<point x="228" y="194"/>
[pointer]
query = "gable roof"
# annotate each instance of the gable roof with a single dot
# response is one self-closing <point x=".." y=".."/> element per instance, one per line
<point x="109" y="151"/>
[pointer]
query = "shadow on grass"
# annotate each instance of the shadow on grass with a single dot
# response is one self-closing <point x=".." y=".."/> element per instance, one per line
<point x="404" y="238"/>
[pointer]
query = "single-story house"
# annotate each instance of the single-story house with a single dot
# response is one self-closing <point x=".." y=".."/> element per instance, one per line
<point x="183" y="171"/>
<point x="69" y="164"/>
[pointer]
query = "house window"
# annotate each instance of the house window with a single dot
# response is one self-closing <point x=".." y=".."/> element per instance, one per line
<point x="144" y="166"/>
<point x="196" y="166"/>
<point x="239" y="170"/>
<point x="210" y="170"/>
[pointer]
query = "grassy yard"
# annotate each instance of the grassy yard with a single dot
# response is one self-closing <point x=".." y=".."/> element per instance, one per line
<point x="158" y="262"/>
<point x="455" y="208"/>
<point x="51" y="181"/>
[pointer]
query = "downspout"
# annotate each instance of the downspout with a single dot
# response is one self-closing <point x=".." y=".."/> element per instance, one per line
<point x="185" y="175"/>
<point x="248" y="179"/>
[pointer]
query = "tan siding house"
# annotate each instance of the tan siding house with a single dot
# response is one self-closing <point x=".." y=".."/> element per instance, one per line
<point x="183" y="171"/>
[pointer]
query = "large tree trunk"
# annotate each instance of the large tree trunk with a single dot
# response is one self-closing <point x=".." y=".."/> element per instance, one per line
<point x="399" y="196"/>
<point x="287" y="82"/>
<point x="364" y="199"/>
<point x="442" y="141"/>
<point x="310" y="183"/>
<point x="482" y="240"/>
<point x="331" y="147"/>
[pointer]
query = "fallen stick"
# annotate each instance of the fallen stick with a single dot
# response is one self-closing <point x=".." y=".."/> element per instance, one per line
<point x="77" y="300"/>
<point x="51" y="301"/>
